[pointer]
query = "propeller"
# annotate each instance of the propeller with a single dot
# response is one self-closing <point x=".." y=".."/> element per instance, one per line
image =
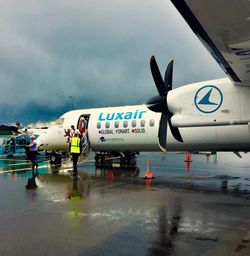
<point x="159" y="103"/>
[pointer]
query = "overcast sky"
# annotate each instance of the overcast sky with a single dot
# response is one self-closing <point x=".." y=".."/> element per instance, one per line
<point x="95" y="51"/>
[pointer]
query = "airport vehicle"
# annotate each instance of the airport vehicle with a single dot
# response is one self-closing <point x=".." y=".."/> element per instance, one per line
<point x="205" y="116"/>
<point x="14" y="145"/>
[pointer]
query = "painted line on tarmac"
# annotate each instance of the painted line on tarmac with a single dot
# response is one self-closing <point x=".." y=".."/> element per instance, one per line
<point x="25" y="163"/>
<point x="18" y="170"/>
<point x="13" y="159"/>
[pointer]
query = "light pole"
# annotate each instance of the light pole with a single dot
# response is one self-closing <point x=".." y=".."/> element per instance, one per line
<point x="70" y="102"/>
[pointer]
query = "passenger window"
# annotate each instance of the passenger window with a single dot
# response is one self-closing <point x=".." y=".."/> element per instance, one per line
<point x="116" y="124"/>
<point x="125" y="124"/>
<point x="134" y="123"/>
<point x="143" y="123"/>
<point x="152" y="122"/>
<point x="98" y="125"/>
<point x="107" y="125"/>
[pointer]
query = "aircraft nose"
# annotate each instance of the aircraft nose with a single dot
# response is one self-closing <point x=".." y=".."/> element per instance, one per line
<point x="41" y="142"/>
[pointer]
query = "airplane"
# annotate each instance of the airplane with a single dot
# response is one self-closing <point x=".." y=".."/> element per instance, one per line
<point x="204" y="116"/>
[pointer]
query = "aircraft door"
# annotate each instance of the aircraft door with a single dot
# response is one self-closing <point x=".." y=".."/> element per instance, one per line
<point x="82" y="126"/>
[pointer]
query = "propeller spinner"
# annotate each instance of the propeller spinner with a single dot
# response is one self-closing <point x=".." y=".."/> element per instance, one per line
<point x="159" y="103"/>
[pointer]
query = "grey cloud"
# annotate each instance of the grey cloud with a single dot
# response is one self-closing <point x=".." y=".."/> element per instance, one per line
<point x="96" y="51"/>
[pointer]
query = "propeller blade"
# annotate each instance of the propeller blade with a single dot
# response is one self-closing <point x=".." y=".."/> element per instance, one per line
<point x="175" y="130"/>
<point x="157" y="77"/>
<point x="168" y="79"/>
<point x="157" y="103"/>
<point x="162" y="133"/>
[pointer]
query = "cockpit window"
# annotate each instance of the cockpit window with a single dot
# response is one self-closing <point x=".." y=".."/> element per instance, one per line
<point x="59" y="121"/>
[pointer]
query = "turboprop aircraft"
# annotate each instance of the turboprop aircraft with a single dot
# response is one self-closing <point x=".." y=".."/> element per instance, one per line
<point x="205" y="116"/>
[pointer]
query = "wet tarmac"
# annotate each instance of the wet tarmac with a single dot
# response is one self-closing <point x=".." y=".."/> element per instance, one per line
<point x="197" y="209"/>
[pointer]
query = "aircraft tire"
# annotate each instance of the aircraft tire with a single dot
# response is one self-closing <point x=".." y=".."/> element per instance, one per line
<point x="55" y="159"/>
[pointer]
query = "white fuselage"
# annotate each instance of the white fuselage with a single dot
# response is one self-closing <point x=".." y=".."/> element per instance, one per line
<point x="211" y="116"/>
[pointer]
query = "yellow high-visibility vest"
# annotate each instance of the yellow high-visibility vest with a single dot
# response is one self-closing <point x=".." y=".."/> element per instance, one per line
<point x="75" y="145"/>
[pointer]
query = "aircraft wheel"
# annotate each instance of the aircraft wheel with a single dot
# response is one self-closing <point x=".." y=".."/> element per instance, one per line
<point x="133" y="161"/>
<point x="102" y="158"/>
<point x="55" y="159"/>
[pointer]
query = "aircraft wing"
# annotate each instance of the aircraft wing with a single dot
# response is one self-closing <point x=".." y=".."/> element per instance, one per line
<point x="223" y="26"/>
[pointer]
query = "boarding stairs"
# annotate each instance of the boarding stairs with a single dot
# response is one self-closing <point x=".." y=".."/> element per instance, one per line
<point x="86" y="149"/>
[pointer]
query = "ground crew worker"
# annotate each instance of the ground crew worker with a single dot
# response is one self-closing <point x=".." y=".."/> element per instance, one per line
<point x="33" y="153"/>
<point x="75" y="151"/>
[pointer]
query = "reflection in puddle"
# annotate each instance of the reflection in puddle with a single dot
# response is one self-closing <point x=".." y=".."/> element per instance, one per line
<point x="79" y="188"/>
<point x="117" y="172"/>
<point x="168" y="227"/>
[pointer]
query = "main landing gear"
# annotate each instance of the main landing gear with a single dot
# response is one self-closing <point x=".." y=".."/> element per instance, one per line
<point x="56" y="157"/>
<point x="114" y="159"/>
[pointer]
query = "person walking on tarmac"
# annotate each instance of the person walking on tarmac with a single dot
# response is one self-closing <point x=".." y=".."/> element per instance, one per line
<point x="33" y="153"/>
<point x="75" y="151"/>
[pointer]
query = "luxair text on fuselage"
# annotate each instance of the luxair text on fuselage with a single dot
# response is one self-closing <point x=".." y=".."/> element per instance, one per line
<point x="121" y="115"/>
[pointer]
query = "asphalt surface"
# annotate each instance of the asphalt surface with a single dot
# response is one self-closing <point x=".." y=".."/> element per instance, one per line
<point x="113" y="211"/>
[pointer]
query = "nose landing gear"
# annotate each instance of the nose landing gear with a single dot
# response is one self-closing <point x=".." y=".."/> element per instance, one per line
<point x="55" y="158"/>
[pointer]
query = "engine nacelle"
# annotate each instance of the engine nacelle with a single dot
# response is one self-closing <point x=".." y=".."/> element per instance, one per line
<point x="213" y="103"/>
